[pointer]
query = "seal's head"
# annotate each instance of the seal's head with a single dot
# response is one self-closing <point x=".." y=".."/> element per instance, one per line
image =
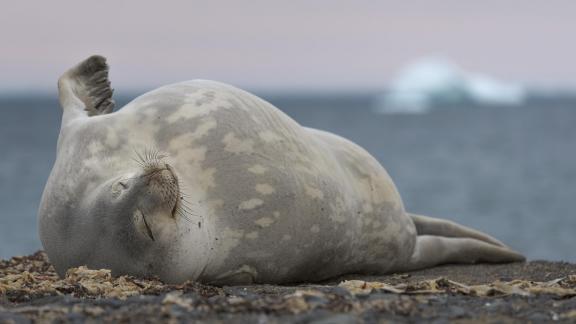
<point x="109" y="206"/>
<point x="128" y="223"/>
<point x="151" y="195"/>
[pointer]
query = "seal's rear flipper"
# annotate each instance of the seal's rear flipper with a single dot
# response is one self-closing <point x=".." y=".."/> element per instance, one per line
<point x="435" y="250"/>
<point x="85" y="89"/>
<point x="440" y="227"/>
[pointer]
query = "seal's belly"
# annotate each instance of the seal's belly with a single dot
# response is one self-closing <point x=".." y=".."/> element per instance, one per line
<point x="287" y="202"/>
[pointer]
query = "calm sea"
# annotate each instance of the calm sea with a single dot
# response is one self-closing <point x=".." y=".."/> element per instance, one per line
<point x="508" y="171"/>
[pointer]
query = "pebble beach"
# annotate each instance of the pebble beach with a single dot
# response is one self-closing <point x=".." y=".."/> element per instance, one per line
<point x="536" y="291"/>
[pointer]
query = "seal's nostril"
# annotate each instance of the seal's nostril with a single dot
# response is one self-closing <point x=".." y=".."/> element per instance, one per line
<point x="123" y="184"/>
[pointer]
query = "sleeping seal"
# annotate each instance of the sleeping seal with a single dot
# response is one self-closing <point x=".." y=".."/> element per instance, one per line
<point x="202" y="181"/>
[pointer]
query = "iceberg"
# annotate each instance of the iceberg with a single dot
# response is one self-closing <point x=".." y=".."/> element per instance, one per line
<point x="435" y="82"/>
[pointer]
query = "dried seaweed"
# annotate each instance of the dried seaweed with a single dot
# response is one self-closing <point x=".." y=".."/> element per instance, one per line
<point x="561" y="287"/>
<point x="84" y="293"/>
<point x="25" y="278"/>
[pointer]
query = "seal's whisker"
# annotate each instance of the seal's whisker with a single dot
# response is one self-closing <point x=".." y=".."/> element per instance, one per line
<point x="184" y="216"/>
<point x="189" y="210"/>
<point x="184" y="212"/>
<point x="186" y="205"/>
<point x="149" y="158"/>
<point x="146" y="153"/>
<point x="184" y="195"/>
<point x="152" y="153"/>
<point x="139" y="156"/>
<point x="140" y="163"/>
<point x="186" y="201"/>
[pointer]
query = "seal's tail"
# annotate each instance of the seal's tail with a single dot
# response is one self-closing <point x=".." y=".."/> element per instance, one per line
<point x="441" y="242"/>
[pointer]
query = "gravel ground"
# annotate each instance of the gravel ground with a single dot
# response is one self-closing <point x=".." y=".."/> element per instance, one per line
<point x="537" y="291"/>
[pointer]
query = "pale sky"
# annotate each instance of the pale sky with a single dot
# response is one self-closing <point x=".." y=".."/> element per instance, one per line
<point x="284" y="45"/>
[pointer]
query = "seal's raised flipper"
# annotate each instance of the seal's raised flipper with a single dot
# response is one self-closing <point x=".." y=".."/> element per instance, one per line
<point x="85" y="89"/>
<point x="435" y="250"/>
<point x="440" y="227"/>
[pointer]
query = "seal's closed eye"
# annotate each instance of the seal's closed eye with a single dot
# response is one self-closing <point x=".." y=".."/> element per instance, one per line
<point x="148" y="230"/>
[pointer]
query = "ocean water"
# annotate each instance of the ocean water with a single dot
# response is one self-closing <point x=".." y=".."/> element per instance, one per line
<point x="510" y="172"/>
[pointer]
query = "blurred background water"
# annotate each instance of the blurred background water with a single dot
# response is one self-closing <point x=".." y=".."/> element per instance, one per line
<point x="508" y="171"/>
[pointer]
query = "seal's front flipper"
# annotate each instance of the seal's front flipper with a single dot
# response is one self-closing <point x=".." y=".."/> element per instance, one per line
<point x="84" y="90"/>
<point x="433" y="250"/>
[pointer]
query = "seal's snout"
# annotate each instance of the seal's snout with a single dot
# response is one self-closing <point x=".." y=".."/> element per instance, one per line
<point x="155" y="190"/>
<point x="161" y="176"/>
<point x="159" y="187"/>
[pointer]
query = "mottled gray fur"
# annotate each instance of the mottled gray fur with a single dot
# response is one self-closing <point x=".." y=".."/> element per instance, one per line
<point x="267" y="200"/>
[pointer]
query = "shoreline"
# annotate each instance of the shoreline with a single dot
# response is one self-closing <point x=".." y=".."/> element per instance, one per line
<point x="534" y="291"/>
